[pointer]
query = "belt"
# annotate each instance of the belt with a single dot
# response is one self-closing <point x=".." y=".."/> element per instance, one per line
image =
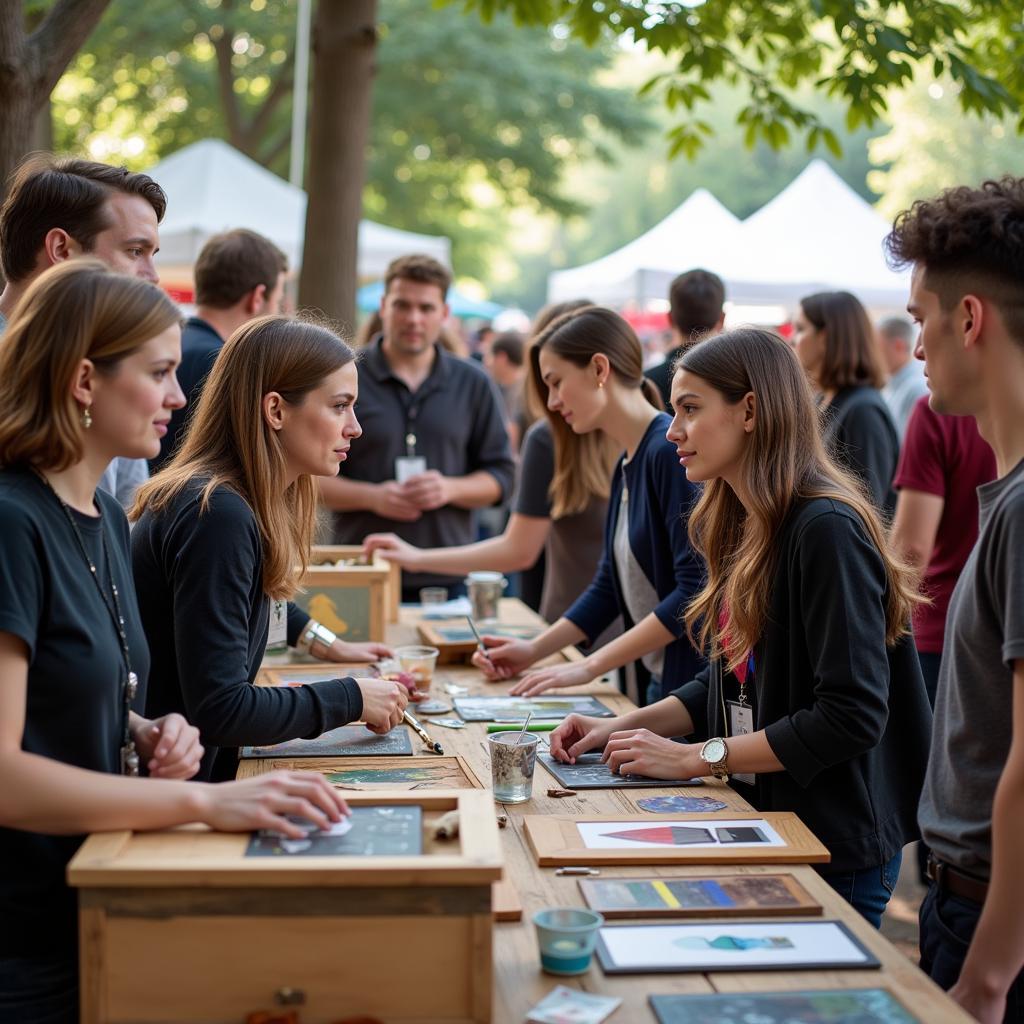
<point x="947" y="877"/>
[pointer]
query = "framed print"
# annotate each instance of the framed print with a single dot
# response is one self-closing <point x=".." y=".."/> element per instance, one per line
<point x="830" y="1006"/>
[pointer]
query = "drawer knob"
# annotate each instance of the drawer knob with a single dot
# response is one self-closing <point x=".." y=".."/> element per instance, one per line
<point x="290" y="996"/>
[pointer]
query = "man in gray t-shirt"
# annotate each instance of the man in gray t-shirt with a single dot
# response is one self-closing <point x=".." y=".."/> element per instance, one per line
<point x="967" y="292"/>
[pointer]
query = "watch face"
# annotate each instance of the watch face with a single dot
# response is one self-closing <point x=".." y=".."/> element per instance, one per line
<point x="714" y="751"/>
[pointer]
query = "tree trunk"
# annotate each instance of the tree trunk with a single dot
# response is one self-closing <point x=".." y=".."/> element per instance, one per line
<point x="344" y="45"/>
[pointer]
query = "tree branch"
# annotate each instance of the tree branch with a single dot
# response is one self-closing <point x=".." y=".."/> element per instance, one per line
<point x="226" y="78"/>
<point x="60" y="36"/>
<point x="282" y="87"/>
<point x="268" y="157"/>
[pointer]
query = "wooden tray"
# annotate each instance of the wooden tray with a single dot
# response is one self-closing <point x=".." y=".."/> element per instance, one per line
<point x="357" y="774"/>
<point x="440" y="633"/>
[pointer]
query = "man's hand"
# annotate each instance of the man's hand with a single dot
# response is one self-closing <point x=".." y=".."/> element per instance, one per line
<point x="391" y="502"/>
<point x="169" y="747"/>
<point x="426" y="491"/>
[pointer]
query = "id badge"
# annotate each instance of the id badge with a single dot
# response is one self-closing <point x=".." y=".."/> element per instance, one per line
<point x="741" y="722"/>
<point x="277" y="634"/>
<point x="408" y="466"/>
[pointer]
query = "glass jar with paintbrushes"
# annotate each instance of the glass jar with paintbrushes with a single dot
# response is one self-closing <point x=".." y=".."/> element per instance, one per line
<point x="513" y="760"/>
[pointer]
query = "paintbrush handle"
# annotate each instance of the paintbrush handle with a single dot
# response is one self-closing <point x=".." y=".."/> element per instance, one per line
<point x="421" y="732"/>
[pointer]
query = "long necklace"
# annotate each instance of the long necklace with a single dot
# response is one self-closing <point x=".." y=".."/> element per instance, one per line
<point x="130" y="683"/>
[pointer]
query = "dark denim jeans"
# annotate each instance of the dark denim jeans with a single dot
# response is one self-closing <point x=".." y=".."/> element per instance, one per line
<point x="947" y="926"/>
<point x="39" y="991"/>
<point x="868" y="890"/>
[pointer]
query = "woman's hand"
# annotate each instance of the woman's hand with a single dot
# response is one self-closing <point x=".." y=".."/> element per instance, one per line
<point x="552" y="677"/>
<point x="505" y="658"/>
<point x="169" y="747"/>
<point x="264" y="802"/>
<point x="341" y="651"/>
<point x="642" y="752"/>
<point x="577" y="734"/>
<point x="393" y="548"/>
<point x="384" y="701"/>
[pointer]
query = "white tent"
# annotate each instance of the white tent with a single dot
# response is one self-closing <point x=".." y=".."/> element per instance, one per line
<point x="699" y="233"/>
<point x="211" y="187"/>
<point x="817" y="234"/>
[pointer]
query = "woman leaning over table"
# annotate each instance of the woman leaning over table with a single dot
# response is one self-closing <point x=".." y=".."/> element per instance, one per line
<point x="813" y="701"/>
<point x="588" y="367"/>
<point x="224" y="530"/>
<point x="87" y="375"/>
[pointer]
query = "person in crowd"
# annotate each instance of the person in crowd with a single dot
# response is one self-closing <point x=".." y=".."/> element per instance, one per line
<point x="587" y="366"/>
<point x="966" y="247"/>
<point x="223" y="535"/>
<point x="239" y="275"/>
<point x="813" y="700"/>
<point x="837" y="348"/>
<point x="696" y="302"/>
<point x="86" y="375"/>
<point x="906" y="383"/>
<point x="56" y="210"/>
<point x="436" y="446"/>
<point x="368" y="330"/>
<point x="505" y="363"/>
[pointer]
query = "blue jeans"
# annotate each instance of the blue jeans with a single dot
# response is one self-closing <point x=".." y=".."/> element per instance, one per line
<point x="868" y="890"/>
<point x="947" y="926"/>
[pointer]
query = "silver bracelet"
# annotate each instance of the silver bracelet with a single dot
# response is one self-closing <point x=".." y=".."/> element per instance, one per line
<point x="314" y="632"/>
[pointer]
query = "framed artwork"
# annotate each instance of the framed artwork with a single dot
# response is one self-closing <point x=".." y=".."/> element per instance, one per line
<point x="345" y="741"/>
<point x="731" y="946"/>
<point x="455" y="641"/>
<point x="830" y="1006"/>
<point x="589" y="773"/>
<point x="416" y="772"/>
<point x="720" y="896"/>
<point x="771" y="837"/>
<point x="515" y="709"/>
<point x="366" y="832"/>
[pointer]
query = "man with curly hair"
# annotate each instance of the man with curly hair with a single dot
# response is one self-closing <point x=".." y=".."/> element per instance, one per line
<point x="967" y="250"/>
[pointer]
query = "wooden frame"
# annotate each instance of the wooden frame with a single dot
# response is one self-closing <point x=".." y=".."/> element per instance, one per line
<point x="784" y="1005"/>
<point x="251" y="932"/>
<point x="452" y="771"/>
<point x="556" y="840"/>
<point x="454" y="651"/>
<point x="662" y="897"/>
<point x="300" y="674"/>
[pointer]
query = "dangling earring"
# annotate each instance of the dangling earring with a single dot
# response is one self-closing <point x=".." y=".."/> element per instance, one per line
<point x="600" y="384"/>
<point x="86" y="418"/>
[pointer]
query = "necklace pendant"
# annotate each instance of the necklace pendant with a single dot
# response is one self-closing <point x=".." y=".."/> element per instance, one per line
<point x="129" y="759"/>
<point x="132" y="686"/>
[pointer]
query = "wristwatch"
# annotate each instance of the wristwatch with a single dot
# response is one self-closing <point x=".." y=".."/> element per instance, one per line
<point x="715" y="754"/>
<point x="314" y="633"/>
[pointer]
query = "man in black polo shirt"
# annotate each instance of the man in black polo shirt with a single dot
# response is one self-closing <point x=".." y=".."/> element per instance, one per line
<point x="434" y="445"/>
<point x="239" y="275"/>
<point x="695" y="311"/>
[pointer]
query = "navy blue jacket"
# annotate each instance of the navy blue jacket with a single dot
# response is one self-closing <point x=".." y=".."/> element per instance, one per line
<point x="660" y="498"/>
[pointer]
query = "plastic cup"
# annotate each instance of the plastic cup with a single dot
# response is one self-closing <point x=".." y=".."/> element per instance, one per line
<point x="485" y="590"/>
<point x="419" y="662"/>
<point x="566" y="937"/>
<point x="512" y="765"/>
<point x="433" y="595"/>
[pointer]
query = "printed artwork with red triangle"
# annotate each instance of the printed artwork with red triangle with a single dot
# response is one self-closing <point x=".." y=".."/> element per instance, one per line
<point x="663" y="835"/>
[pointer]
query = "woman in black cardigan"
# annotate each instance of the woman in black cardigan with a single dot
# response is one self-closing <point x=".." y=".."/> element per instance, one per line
<point x="814" y="701"/>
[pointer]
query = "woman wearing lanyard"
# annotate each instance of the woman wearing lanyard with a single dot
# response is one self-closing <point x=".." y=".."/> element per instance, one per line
<point x="814" y="700"/>
<point x="588" y="367"/>
<point x="87" y="375"/>
<point x="224" y="530"/>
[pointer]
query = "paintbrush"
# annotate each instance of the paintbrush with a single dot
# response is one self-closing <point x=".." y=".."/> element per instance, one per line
<point x="422" y="733"/>
<point x="479" y="641"/>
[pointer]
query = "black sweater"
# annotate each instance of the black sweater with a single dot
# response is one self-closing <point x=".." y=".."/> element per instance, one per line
<point x="848" y="717"/>
<point x="199" y="578"/>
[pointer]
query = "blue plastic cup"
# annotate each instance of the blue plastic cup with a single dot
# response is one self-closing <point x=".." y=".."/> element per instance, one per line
<point x="566" y="937"/>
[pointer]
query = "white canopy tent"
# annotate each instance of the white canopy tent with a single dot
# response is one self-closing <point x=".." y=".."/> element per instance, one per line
<point x="699" y="233"/>
<point x="211" y="187"/>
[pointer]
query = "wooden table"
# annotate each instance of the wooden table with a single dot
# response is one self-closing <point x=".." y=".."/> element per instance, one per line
<point x="519" y="982"/>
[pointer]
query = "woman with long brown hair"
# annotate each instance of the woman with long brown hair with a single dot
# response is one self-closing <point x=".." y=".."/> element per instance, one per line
<point x="836" y="345"/>
<point x="588" y="367"/>
<point x="87" y="375"/>
<point x="814" y="700"/>
<point x="224" y="532"/>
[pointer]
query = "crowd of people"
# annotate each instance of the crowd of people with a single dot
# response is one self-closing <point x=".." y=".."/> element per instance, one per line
<point x="802" y="557"/>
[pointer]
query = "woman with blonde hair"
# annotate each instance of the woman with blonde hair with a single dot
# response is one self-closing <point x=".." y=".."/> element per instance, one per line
<point x="814" y="700"/>
<point x="223" y="535"/>
<point x="87" y="375"/>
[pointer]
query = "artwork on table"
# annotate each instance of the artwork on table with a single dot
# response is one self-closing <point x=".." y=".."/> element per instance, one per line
<point x="838" y="1006"/>
<point x="418" y="772"/>
<point x="731" y="946"/>
<point x="680" y="804"/>
<point x="281" y="678"/>
<point x="589" y="773"/>
<point x="564" y="1005"/>
<point x="507" y="709"/>
<point x="618" y="835"/>
<point x="722" y="896"/>
<point x="464" y="635"/>
<point x="366" y="832"/>
<point x="346" y="741"/>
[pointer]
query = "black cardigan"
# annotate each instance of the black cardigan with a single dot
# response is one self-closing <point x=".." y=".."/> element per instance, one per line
<point x="848" y="717"/>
